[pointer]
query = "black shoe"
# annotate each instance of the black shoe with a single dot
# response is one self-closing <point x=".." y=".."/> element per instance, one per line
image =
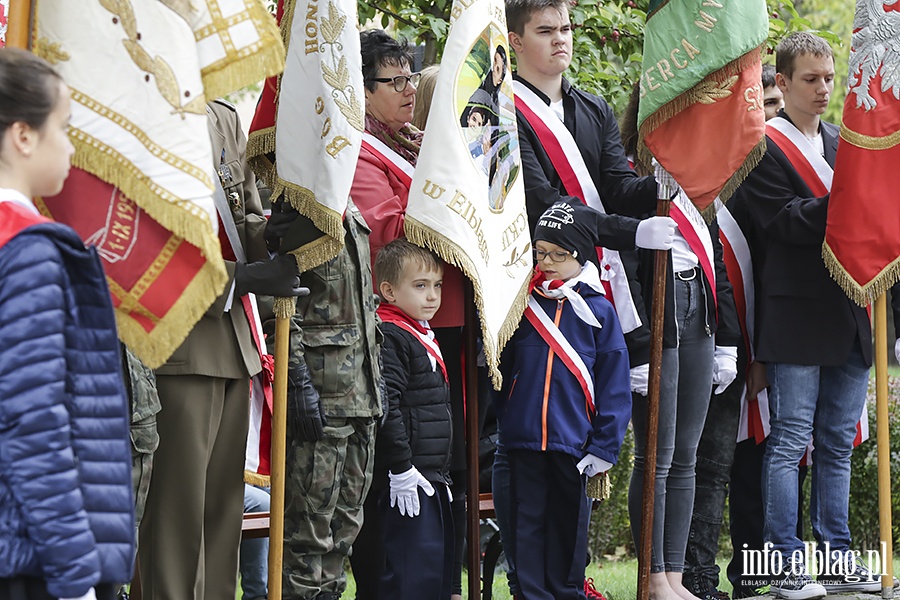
<point x="797" y="587"/>
<point x="713" y="594"/>
<point x="857" y="579"/>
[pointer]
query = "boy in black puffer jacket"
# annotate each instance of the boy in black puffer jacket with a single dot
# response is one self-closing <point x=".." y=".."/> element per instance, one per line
<point x="412" y="451"/>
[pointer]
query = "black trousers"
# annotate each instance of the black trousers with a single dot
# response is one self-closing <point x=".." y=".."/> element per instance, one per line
<point x="550" y="516"/>
<point x="34" y="588"/>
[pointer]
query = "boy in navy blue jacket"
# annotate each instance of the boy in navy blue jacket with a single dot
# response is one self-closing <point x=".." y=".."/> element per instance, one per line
<point x="563" y="408"/>
<point x="412" y="523"/>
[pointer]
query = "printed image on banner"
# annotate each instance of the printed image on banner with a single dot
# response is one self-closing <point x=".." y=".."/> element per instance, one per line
<point x="4" y="21"/>
<point x="488" y="115"/>
<point x="467" y="197"/>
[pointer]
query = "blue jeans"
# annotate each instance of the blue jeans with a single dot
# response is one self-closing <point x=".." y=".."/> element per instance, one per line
<point x="254" y="565"/>
<point x="826" y="403"/>
<point x="685" y="388"/>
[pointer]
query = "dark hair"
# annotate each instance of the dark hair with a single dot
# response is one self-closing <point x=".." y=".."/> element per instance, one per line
<point x="519" y="12"/>
<point x="29" y="89"/>
<point x="768" y="76"/>
<point x="795" y="45"/>
<point x="394" y="256"/>
<point x="379" y="50"/>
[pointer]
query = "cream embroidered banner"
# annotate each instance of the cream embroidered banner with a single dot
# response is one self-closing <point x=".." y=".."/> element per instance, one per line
<point x="467" y="200"/>
<point x="312" y="119"/>
<point x="137" y="70"/>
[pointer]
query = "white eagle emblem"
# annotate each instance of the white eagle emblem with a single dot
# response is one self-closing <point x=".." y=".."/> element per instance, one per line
<point x="876" y="46"/>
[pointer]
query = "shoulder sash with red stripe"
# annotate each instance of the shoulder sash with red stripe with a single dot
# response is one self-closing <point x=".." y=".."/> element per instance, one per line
<point x="431" y="345"/>
<point x="551" y="334"/>
<point x="398" y="165"/>
<point x="696" y="235"/>
<point x="569" y="164"/>
<point x="809" y="164"/>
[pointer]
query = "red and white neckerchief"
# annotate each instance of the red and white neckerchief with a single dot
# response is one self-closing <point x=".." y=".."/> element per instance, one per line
<point x="694" y="230"/>
<point x="566" y="158"/>
<point x="398" y="165"/>
<point x="557" y="289"/>
<point x="809" y="164"/>
<point x="419" y="330"/>
<point x="754" y="420"/>
<point x="560" y="346"/>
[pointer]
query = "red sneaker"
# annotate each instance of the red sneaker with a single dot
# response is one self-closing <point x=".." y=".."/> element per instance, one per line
<point x="590" y="591"/>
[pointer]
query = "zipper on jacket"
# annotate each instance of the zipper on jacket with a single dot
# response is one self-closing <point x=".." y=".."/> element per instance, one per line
<point x="550" y="354"/>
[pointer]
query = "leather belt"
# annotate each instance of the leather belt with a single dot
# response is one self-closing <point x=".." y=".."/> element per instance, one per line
<point x="688" y="275"/>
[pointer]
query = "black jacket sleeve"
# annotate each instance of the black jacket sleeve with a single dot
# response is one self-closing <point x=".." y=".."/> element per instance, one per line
<point x="393" y="441"/>
<point x="728" y="328"/>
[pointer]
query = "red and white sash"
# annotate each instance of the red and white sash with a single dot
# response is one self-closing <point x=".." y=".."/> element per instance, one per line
<point x="694" y="230"/>
<point x="398" y="165"/>
<point x="563" y="151"/>
<point x="754" y="421"/>
<point x="427" y="340"/>
<point x="15" y="216"/>
<point x="559" y="345"/>
<point x="809" y="164"/>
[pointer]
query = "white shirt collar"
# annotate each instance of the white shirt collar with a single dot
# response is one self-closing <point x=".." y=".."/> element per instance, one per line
<point x="17" y="197"/>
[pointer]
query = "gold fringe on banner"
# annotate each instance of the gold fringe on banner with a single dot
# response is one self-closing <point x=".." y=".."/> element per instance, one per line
<point x="422" y="235"/>
<point x="256" y="479"/>
<point x="861" y="294"/>
<point x="226" y="77"/>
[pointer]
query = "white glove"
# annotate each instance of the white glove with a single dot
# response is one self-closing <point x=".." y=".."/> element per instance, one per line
<point x="405" y="491"/>
<point x="655" y="233"/>
<point x="897" y="349"/>
<point x="91" y="595"/>
<point x="640" y="376"/>
<point x="591" y="465"/>
<point x="725" y="367"/>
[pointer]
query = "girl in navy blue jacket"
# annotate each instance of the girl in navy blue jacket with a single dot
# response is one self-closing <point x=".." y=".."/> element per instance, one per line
<point x="66" y="509"/>
<point x="563" y="408"/>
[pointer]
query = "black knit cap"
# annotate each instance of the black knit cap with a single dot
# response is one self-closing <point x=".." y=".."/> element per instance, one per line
<point x="568" y="226"/>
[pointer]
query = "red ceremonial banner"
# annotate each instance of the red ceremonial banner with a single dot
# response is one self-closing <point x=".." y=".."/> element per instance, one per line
<point x="724" y="135"/>
<point x="153" y="275"/>
<point x="862" y="236"/>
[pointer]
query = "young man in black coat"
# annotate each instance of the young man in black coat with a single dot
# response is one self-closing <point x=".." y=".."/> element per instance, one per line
<point x="816" y="343"/>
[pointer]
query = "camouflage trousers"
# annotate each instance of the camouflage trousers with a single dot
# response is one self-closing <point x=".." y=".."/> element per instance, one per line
<point x="144" y="441"/>
<point x="326" y="485"/>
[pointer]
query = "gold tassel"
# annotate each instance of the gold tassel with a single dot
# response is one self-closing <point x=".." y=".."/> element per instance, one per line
<point x="599" y="486"/>
<point x="256" y="479"/>
<point x="284" y="308"/>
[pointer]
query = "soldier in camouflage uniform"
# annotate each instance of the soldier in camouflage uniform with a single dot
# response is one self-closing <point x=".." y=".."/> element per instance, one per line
<point x="141" y="384"/>
<point x="327" y="480"/>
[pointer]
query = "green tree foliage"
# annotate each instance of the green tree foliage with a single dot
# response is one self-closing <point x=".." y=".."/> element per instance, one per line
<point x="608" y="35"/>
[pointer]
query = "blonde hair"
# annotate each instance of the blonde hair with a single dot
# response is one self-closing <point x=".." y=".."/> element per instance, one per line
<point x="424" y="92"/>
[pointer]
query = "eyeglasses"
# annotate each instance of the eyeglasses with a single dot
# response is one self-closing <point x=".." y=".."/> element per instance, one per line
<point x="555" y="256"/>
<point x="400" y="81"/>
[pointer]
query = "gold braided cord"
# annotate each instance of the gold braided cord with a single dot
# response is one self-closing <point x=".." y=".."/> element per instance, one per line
<point x="422" y="235"/>
<point x="861" y="294"/>
<point x="869" y="142"/>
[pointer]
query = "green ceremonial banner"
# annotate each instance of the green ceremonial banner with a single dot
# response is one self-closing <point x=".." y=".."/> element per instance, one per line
<point x="702" y="65"/>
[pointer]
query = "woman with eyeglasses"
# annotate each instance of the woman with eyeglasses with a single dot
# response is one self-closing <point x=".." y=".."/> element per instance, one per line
<point x="380" y="190"/>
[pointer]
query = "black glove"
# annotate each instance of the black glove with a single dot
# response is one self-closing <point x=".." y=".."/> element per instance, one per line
<point x="306" y="417"/>
<point x="283" y="215"/>
<point x="278" y="277"/>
